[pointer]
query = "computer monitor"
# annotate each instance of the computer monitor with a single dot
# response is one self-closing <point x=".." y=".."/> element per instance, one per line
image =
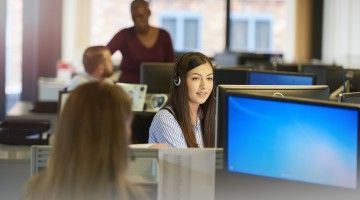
<point x="353" y="75"/>
<point x="318" y="70"/>
<point x="157" y="76"/>
<point x="330" y="75"/>
<point x="280" y="141"/>
<point x="287" y="67"/>
<point x="231" y="75"/>
<point x="305" y="91"/>
<point x="280" y="78"/>
<point x="334" y="77"/>
<point x="351" y="97"/>
<point x="260" y="61"/>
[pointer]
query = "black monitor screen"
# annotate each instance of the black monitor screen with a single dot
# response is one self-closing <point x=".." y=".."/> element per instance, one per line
<point x="287" y="67"/>
<point x="231" y="75"/>
<point x="157" y="76"/>
<point x="280" y="78"/>
<point x="318" y="70"/>
<point x="292" y="139"/>
<point x="326" y="74"/>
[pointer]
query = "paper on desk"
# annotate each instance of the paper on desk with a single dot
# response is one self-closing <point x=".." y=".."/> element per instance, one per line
<point x="145" y="146"/>
<point x="186" y="174"/>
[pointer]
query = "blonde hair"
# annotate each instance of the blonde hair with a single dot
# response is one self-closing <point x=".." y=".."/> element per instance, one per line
<point x="90" y="153"/>
<point x="94" y="56"/>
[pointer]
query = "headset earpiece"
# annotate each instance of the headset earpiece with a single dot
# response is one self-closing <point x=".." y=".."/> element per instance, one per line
<point x="177" y="81"/>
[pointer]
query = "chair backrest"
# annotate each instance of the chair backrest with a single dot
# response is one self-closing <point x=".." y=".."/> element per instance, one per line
<point x="140" y="127"/>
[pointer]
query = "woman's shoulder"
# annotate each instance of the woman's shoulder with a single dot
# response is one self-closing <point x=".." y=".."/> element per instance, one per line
<point x="129" y="31"/>
<point x="166" y="111"/>
<point x="163" y="32"/>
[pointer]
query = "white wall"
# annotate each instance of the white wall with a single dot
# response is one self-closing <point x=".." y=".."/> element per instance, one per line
<point x="289" y="51"/>
<point x="341" y="33"/>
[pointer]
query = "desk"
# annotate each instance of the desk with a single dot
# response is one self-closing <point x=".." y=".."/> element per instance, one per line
<point x="22" y="110"/>
<point x="14" y="170"/>
<point x="162" y="172"/>
<point x="140" y="126"/>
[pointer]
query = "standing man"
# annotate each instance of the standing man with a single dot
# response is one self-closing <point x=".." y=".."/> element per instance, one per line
<point x="140" y="43"/>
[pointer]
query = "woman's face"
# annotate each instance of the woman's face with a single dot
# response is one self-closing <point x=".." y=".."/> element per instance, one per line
<point x="200" y="83"/>
<point x="140" y="16"/>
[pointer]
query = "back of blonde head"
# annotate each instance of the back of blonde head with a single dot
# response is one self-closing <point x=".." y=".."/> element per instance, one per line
<point x="89" y="156"/>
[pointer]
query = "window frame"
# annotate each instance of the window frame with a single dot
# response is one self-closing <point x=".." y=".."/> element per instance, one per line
<point x="180" y="17"/>
<point x="251" y="19"/>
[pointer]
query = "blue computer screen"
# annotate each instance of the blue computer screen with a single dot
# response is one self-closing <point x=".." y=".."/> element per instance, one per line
<point x="291" y="140"/>
<point x="267" y="78"/>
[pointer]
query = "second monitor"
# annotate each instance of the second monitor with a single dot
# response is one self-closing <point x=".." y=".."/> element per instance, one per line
<point x="157" y="76"/>
<point x="280" y="78"/>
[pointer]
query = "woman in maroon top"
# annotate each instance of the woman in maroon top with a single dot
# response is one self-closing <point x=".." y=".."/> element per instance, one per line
<point x="140" y="43"/>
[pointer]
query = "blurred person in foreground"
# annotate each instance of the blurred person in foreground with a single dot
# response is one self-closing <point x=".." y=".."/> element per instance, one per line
<point x="89" y="157"/>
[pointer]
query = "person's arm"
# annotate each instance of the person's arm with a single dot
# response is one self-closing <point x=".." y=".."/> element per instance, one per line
<point x="165" y="129"/>
<point x="169" y="49"/>
<point x="116" y="42"/>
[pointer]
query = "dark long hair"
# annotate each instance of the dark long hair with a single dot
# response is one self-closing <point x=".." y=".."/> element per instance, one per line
<point x="180" y="102"/>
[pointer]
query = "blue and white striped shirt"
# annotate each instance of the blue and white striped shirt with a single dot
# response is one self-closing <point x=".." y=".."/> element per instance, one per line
<point x="166" y="130"/>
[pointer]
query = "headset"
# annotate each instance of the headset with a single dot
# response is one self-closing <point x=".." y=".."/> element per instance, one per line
<point x="177" y="80"/>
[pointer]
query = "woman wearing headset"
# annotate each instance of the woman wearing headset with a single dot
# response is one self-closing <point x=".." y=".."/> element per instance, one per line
<point x="188" y="119"/>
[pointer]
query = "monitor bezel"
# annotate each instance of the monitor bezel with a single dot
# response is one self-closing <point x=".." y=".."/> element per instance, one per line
<point x="343" y="97"/>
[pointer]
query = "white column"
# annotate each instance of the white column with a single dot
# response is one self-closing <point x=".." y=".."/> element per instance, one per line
<point x="76" y="30"/>
<point x="289" y="51"/>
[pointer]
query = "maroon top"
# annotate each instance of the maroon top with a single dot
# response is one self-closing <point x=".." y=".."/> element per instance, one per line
<point x="134" y="52"/>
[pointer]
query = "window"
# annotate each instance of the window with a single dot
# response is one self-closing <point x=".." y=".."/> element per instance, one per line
<point x="203" y="30"/>
<point x="251" y="33"/>
<point x="184" y="29"/>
